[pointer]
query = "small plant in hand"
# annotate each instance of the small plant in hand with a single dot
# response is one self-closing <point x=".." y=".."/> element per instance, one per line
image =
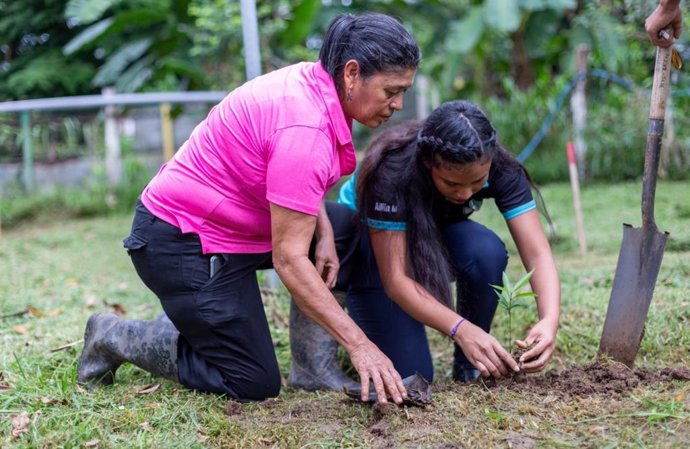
<point x="509" y="298"/>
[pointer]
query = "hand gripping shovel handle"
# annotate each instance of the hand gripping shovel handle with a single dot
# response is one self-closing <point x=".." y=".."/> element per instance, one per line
<point x="660" y="88"/>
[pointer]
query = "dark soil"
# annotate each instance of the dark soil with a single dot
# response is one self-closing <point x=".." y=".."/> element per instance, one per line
<point x="518" y="351"/>
<point x="607" y="378"/>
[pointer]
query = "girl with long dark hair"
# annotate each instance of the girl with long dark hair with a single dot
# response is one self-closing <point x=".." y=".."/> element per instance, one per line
<point x="416" y="190"/>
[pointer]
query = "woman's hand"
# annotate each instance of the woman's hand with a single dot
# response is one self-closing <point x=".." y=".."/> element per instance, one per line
<point x="325" y="255"/>
<point x="326" y="260"/>
<point x="484" y="351"/>
<point x="544" y="334"/>
<point x="372" y="364"/>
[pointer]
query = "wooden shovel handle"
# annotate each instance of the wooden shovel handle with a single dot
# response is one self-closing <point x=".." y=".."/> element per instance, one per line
<point x="660" y="87"/>
<point x="661" y="84"/>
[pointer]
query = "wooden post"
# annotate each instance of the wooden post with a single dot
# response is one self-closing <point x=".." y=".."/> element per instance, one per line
<point x="578" y="105"/>
<point x="167" y="132"/>
<point x="28" y="177"/>
<point x="575" y="186"/>
<point x="113" y="155"/>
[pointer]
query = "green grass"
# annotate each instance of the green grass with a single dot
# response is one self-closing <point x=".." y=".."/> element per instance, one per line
<point x="67" y="270"/>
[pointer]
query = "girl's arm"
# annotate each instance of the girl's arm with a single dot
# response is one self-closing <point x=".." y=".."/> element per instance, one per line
<point x="483" y="350"/>
<point x="536" y="255"/>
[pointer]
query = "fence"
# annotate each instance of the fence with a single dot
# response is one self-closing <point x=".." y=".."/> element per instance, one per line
<point x="108" y="101"/>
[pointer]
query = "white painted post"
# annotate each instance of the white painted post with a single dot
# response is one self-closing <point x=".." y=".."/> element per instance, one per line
<point x="113" y="156"/>
<point x="575" y="186"/>
<point x="421" y="89"/>
<point x="250" y="37"/>
<point x="578" y="104"/>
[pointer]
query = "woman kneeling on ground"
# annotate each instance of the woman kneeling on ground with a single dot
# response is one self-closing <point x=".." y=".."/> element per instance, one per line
<point x="416" y="190"/>
<point x="246" y="192"/>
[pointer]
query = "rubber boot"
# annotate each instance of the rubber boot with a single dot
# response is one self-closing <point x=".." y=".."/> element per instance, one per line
<point x="163" y="318"/>
<point x="314" y="354"/>
<point x="465" y="373"/>
<point x="109" y="342"/>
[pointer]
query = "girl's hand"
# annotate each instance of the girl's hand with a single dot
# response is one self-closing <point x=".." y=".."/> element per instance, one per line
<point x="484" y="351"/>
<point x="544" y="334"/>
<point x="372" y="364"/>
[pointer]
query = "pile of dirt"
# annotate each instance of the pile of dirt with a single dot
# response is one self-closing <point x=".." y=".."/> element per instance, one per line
<point x="607" y="378"/>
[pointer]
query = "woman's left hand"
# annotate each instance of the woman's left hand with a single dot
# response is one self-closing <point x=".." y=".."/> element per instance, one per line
<point x="326" y="260"/>
<point x="544" y="334"/>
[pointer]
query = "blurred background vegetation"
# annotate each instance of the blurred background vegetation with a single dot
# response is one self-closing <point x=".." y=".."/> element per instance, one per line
<point x="512" y="57"/>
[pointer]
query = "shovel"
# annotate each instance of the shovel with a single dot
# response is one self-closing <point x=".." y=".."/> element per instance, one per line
<point x="642" y="248"/>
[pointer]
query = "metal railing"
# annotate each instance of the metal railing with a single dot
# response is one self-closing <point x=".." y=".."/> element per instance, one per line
<point x="108" y="101"/>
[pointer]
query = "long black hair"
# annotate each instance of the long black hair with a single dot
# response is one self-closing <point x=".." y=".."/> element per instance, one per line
<point x="379" y="43"/>
<point x="457" y="132"/>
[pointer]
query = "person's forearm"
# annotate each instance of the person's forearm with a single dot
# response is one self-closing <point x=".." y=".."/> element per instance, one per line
<point x="546" y="285"/>
<point x="323" y="223"/>
<point x="417" y="302"/>
<point x="316" y="301"/>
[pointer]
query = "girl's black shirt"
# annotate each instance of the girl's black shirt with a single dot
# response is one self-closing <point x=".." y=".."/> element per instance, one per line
<point x="386" y="207"/>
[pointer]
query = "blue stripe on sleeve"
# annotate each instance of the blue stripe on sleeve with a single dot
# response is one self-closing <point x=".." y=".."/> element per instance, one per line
<point x="347" y="195"/>
<point x="512" y="213"/>
<point x="387" y="225"/>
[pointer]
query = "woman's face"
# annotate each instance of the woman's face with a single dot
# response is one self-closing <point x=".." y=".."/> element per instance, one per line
<point x="375" y="99"/>
<point x="458" y="182"/>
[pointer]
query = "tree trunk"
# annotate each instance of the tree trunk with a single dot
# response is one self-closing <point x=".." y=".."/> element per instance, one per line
<point x="522" y="70"/>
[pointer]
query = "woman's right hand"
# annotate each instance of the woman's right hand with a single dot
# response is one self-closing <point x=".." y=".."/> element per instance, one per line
<point x="372" y="364"/>
<point x="484" y="351"/>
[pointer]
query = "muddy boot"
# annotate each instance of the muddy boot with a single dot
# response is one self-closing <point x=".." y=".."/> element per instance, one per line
<point x="110" y="341"/>
<point x="315" y="364"/>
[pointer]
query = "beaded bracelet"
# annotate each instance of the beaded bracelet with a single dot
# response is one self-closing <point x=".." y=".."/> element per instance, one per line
<point x="454" y="329"/>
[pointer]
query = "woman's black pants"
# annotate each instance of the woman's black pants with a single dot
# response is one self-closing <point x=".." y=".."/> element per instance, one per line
<point x="225" y="343"/>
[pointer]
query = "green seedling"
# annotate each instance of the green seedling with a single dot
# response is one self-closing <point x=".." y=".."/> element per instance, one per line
<point x="510" y="297"/>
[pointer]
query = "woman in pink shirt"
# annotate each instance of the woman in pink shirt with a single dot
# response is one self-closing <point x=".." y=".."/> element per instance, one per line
<point x="246" y="192"/>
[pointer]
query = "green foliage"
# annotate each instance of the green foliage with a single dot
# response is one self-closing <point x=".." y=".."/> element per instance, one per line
<point x="520" y="114"/>
<point x="617" y="135"/>
<point x="510" y="297"/>
<point x="285" y="27"/>
<point x="48" y="74"/>
<point x="138" y="39"/>
<point x="55" y="136"/>
<point x="300" y="24"/>
<point x="87" y="11"/>
<point x="32" y="32"/>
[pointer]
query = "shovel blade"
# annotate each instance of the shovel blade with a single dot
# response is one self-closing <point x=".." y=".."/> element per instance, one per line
<point x="633" y="287"/>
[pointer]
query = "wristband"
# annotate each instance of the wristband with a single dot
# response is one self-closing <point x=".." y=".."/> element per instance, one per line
<point x="454" y="329"/>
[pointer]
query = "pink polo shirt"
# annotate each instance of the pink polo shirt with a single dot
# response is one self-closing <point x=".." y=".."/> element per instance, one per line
<point x="280" y="138"/>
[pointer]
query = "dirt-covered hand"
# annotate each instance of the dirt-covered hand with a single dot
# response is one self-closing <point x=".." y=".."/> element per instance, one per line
<point x="484" y="351"/>
<point x="543" y="336"/>
<point x="372" y="365"/>
<point x="326" y="260"/>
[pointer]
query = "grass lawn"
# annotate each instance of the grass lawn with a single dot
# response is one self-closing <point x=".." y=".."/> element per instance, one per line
<point x="55" y="274"/>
